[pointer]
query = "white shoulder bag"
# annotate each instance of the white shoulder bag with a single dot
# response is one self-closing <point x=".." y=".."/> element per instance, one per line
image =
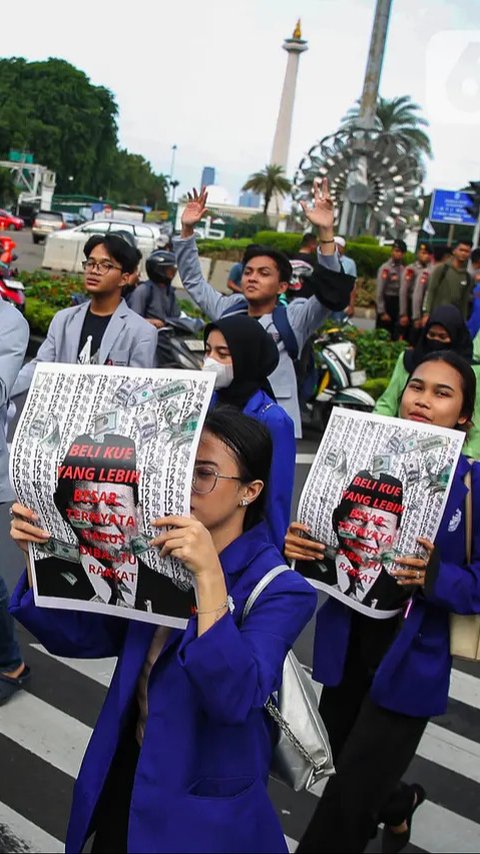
<point x="302" y="754"/>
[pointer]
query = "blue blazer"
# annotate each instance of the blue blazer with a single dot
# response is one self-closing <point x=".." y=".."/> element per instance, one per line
<point x="413" y="676"/>
<point x="200" y="784"/>
<point x="282" y="471"/>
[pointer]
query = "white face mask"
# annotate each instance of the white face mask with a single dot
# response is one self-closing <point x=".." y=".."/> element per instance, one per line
<point x="224" y="373"/>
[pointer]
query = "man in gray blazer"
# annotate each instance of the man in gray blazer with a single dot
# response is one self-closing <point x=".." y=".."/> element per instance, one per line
<point x="265" y="277"/>
<point x="103" y="330"/>
<point x="14" y="334"/>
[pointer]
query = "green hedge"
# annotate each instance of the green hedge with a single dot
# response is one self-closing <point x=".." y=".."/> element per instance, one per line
<point x="365" y="251"/>
<point x="39" y="315"/>
<point x="376" y="386"/>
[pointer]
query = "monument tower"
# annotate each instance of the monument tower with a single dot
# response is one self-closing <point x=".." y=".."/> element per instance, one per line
<point x="281" y="141"/>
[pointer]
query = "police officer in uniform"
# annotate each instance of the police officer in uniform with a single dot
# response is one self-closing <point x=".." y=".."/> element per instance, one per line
<point x="412" y="291"/>
<point x="389" y="278"/>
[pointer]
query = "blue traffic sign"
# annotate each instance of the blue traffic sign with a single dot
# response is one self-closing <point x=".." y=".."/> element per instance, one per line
<point x="449" y="206"/>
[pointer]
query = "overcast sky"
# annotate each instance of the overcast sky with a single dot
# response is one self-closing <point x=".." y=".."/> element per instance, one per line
<point x="207" y="76"/>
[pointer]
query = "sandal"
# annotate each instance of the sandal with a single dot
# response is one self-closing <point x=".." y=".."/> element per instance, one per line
<point x="394" y="842"/>
<point x="9" y="685"/>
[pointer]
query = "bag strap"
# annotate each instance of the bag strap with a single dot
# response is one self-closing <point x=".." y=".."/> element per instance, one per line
<point x="468" y="515"/>
<point x="281" y="321"/>
<point x="260" y="587"/>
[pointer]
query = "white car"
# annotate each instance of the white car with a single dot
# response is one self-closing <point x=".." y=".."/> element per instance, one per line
<point x="64" y="249"/>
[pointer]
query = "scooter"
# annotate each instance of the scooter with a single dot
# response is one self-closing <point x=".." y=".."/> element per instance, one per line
<point x="11" y="290"/>
<point x="338" y="380"/>
<point x="175" y="349"/>
<point x="7" y="255"/>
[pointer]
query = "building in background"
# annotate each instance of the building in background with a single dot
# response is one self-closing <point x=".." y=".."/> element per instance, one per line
<point x="208" y="176"/>
<point x="249" y="199"/>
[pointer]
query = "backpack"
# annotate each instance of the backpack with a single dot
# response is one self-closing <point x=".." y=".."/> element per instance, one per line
<point x="281" y="321"/>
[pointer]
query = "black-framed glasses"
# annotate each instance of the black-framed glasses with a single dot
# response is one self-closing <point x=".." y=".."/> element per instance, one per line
<point x="204" y="479"/>
<point x="103" y="267"/>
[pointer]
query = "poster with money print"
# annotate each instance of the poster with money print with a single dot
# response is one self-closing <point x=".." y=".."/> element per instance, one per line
<point x="376" y="484"/>
<point x="99" y="452"/>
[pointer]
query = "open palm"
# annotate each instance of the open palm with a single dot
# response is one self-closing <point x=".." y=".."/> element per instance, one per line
<point x="195" y="208"/>
<point x="320" y="212"/>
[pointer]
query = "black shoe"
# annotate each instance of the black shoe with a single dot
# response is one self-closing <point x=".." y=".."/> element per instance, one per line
<point x="9" y="685"/>
<point x="394" y="842"/>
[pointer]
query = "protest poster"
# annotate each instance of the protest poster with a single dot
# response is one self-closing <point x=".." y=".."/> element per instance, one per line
<point x="376" y="484"/>
<point x="99" y="452"/>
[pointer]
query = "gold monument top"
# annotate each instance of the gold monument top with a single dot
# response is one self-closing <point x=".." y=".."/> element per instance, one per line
<point x="297" y="33"/>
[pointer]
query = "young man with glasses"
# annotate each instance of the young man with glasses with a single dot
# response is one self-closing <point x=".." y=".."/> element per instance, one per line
<point x="103" y="330"/>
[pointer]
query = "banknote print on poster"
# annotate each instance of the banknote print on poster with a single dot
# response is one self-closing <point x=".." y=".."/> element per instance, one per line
<point x="376" y="484"/>
<point x="99" y="453"/>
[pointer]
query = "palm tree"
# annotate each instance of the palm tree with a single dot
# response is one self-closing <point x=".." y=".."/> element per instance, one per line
<point x="399" y="118"/>
<point x="269" y="182"/>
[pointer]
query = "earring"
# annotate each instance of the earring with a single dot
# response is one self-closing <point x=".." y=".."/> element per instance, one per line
<point x="244" y="502"/>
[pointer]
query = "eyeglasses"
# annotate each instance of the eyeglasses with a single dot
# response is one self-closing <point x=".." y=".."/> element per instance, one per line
<point x="103" y="267"/>
<point x="205" y="479"/>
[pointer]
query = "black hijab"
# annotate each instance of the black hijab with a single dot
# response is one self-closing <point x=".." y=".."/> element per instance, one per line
<point x="451" y="319"/>
<point x="254" y="357"/>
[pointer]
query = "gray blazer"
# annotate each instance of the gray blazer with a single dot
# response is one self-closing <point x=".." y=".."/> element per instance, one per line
<point x="304" y="316"/>
<point x="128" y="341"/>
<point x="14" y="334"/>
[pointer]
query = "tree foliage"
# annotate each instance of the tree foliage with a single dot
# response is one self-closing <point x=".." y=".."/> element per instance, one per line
<point x="52" y="110"/>
<point x="398" y="117"/>
<point x="134" y="182"/>
<point x="268" y="182"/>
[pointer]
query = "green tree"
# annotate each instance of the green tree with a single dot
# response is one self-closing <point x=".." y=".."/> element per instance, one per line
<point x="52" y="110"/>
<point x="8" y="192"/>
<point x="268" y="182"/>
<point x="399" y="118"/>
<point x="134" y="182"/>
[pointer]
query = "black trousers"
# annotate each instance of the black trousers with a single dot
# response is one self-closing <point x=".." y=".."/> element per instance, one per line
<point x="372" y="749"/>
<point x="392" y="308"/>
<point x="110" y="822"/>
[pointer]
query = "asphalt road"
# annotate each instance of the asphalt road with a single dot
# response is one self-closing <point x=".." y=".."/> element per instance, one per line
<point x="30" y="255"/>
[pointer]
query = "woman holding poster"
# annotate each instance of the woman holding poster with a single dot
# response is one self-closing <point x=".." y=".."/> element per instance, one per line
<point x="180" y="755"/>
<point x="384" y="678"/>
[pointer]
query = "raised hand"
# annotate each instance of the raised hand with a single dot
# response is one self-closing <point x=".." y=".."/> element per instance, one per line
<point x="320" y="212"/>
<point x="194" y="210"/>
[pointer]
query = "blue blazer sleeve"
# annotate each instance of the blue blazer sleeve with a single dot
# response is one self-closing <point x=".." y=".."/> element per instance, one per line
<point x="282" y="472"/>
<point x="457" y="587"/>
<point x="72" y="634"/>
<point x="236" y="668"/>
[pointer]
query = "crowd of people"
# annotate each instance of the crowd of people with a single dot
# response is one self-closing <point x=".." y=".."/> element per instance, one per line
<point x="180" y="756"/>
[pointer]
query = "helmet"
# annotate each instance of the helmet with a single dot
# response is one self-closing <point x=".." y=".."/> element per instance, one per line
<point x="300" y="270"/>
<point x="157" y="263"/>
<point x="125" y="235"/>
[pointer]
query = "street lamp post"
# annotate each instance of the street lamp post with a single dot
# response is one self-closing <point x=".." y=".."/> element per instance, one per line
<point x="172" y="167"/>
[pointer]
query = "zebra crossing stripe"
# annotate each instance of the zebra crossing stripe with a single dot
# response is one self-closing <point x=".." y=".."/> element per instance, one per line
<point x="452" y="751"/>
<point x="465" y="688"/>
<point x="40" y="728"/>
<point x="451" y="832"/>
<point x="100" y="670"/>
<point x="18" y="834"/>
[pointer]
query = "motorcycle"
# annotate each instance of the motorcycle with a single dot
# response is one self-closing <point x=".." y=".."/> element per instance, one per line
<point x="7" y="255"/>
<point x="338" y="381"/>
<point x="11" y="290"/>
<point x="175" y="349"/>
